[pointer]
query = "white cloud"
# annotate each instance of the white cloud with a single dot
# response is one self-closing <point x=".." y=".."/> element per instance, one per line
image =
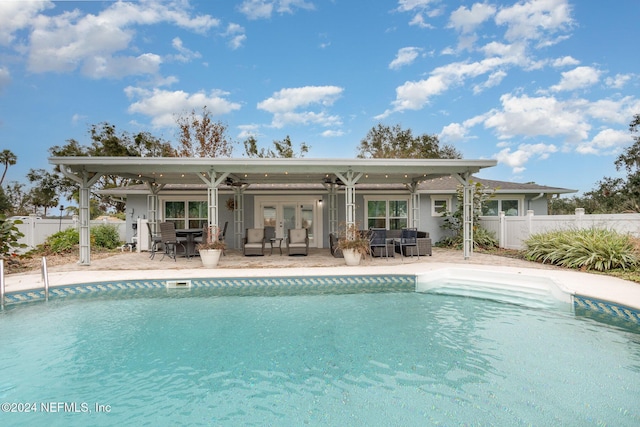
<point x="18" y="15"/>
<point x="607" y="141"/>
<point x="518" y="158"/>
<point x="263" y="9"/>
<point x="98" y="67"/>
<point x="236" y="35"/>
<point x="453" y="132"/>
<point x="578" y="78"/>
<point x="618" y="111"/>
<point x="76" y="118"/>
<point x="184" y="54"/>
<point x="332" y="133"/>
<point x="535" y="19"/>
<point x="467" y="20"/>
<point x="619" y="80"/>
<point x="565" y="61"/>
<point x="405" y="56"/>
<point x="246" y="131"/>
<point x="98" y="44"/>
<point x="538" y="116"/>
<point x="163" y="105"/>
<point x="414" y="95"/>
<point x="494" y="80"/>
<point x="419" y="8"/>
<point x="5" y="77"/>
<point x="285" y="103"/>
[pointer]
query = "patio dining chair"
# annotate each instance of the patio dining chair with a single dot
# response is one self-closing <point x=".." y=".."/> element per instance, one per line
<point x="154" y="240"/>
<point x="170" y="240"/>
<point x="408" y="239"/>
<point x="378" y="242"/>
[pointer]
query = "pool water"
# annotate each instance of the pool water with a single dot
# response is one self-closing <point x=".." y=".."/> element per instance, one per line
<point x="333" y="360"/>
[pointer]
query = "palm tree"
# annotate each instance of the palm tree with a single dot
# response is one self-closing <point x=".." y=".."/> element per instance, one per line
<point x="7" y="158"/>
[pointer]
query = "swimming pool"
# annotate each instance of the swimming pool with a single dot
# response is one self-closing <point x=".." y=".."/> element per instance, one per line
<point x="382" y="358"/>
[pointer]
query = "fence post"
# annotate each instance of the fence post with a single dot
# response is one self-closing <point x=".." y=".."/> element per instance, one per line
<point x="502" y="230"/>
<point x="579" y="217"/>
<point x="530" y="214"/>
<point x="31" y="235"/>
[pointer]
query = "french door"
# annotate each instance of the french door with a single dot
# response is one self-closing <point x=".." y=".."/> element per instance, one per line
<point x="286" y="214"/>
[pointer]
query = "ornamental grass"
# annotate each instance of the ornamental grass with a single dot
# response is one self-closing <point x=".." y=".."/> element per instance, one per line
<point x="596" y="249"/>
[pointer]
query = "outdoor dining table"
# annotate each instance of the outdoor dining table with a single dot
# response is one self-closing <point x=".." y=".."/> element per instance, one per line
<point x="190" y="234"/>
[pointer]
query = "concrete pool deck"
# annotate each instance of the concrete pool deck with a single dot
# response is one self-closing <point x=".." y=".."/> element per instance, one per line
<point x="138" y="266"/>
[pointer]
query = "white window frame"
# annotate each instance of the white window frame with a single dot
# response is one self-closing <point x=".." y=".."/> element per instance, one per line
<point x="500" y="199"/>
<point x="434" y="199"/>
<point x="181" y="198"/>
<point x="386" y="199"/>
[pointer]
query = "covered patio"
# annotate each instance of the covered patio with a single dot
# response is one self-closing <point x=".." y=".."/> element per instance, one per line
<point x="339" y="177"/>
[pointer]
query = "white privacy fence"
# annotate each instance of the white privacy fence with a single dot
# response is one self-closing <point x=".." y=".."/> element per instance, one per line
<point x="512" y="231"/>
<point x="36" y="230"/>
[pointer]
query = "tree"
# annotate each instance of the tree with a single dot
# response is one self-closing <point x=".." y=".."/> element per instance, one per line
<point x="5" y="203"/>
<point x="395" y="143"/>
<point x="107" y="141"/>
<point x="281" y="149"/>
<point x="7" y="158"/>
<point x="454" y="221"/>
<point x="45" y="192"/>
<point x="200" y="136"/>
<point x="18" y="200"/>
<point x="614" y="195"/>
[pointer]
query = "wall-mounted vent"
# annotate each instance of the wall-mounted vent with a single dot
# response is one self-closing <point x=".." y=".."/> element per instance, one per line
<point x="178" y="284"/>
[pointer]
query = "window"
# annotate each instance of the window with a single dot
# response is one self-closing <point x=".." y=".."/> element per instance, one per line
<point x="186" y="213"/>
<point x="511" y="207"/>
<point x="440" y="205"/>
<point x="387" y="213"/>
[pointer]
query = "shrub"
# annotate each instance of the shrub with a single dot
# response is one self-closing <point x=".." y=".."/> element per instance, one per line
<point x="587" y="249"/>
<point x="482" y="238"/>
<point x="9" y="235"/>
<point x="105" y="236"/>
<point x="62" y="241"/>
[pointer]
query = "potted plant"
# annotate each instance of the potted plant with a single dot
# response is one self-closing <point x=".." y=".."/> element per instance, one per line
<point x="353" y="244"/>
<point x="211" y="247"/>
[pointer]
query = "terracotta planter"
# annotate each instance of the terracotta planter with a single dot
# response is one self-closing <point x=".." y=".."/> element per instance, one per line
<point x="210" y="257"/>
<point x="351" y="256"/>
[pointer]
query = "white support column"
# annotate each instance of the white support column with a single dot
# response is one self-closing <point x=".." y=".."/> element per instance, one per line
<point x="468" y="221"/>
<point x="212" y="203"/>
<point x="85" y="236"/>
<point x="415" y="206"/>
<point x="467" y="214"/>
<point x="350" y="179"/>
<point x="333" y="208"/>
<point x="153" y="206"/>
<point x="85" y="194"/>
<point x="213" y="181"/>
<point x="238" y="215"/>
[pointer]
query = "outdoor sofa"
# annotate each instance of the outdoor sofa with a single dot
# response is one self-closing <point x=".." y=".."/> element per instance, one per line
<point x="423" y="242"/>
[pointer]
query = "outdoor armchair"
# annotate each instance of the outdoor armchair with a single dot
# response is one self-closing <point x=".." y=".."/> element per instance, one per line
<point x="298" y="241"/>
<point x="253" y="242"/>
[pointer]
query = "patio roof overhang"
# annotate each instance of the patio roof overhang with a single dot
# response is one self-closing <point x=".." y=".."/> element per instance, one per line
<point x="177" y="170"/>
<point x="159" y="171"/>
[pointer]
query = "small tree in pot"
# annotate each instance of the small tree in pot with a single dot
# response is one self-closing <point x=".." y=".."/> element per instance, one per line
<point x="353" y="244"/>
<point x="211" y="247"/>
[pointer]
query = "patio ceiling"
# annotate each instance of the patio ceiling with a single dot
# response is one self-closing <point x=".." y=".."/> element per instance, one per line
<point x="177" y="170"/>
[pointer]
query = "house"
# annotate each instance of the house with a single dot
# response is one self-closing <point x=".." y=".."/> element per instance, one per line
<point x="317" y="194"/>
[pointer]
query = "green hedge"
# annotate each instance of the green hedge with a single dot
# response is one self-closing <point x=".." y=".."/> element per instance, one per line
<point x="587" y="249"/>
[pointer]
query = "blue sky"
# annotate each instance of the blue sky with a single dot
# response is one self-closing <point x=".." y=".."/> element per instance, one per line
<point x="545" y="87"/>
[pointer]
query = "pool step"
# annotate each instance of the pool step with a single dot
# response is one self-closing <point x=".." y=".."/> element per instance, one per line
<point x="530" y="291"/>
